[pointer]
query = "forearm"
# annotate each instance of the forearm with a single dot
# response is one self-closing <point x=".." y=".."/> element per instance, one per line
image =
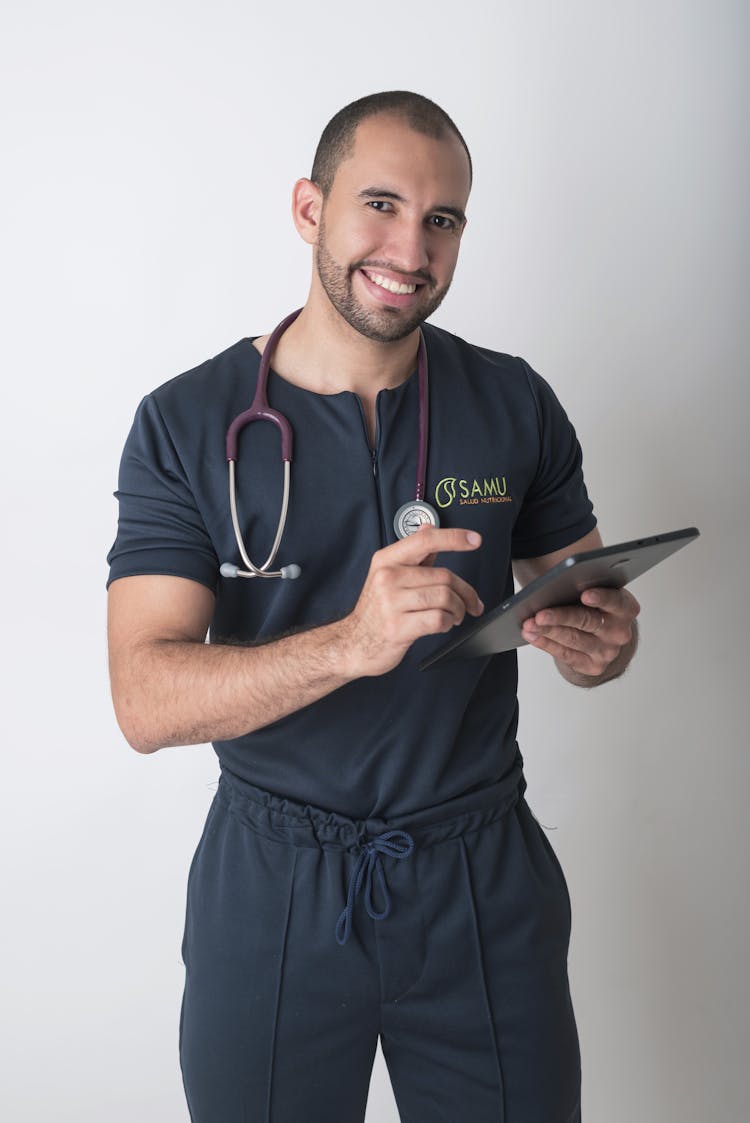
<point x="170" y="688"/>
<point x="613" y="671"/>
<point x="174" y="692"/>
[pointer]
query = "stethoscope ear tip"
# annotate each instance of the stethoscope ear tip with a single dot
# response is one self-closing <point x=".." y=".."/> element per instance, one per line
<point x="227" y="569"/>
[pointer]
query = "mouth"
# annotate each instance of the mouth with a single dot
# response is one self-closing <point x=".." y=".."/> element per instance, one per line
<point x="389" y="291"/>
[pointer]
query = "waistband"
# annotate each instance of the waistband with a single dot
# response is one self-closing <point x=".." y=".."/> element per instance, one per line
<point x="284" y="820"/>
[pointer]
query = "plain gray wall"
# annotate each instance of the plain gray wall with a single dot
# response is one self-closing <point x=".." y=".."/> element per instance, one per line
<point x="149" y="152"/>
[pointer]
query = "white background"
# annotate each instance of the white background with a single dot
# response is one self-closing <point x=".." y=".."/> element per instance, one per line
<point x="149" y="151"/>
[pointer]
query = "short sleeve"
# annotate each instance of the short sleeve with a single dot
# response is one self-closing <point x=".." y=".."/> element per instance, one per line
<point x="160" y="529"/>
<point x="556" y="509"/>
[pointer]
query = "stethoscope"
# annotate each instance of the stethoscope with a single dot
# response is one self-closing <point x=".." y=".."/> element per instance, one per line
<point x="408" y="518"/>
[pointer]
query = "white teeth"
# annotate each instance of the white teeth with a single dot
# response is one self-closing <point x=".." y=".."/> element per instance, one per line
<point x="391" y="286"/>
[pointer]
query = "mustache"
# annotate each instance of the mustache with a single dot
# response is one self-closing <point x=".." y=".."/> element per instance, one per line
<point x="416" y="278"/>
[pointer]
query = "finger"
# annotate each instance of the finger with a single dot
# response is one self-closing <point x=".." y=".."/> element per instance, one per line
<point x="430" y="598"/>
<point x="426" y="541"/>
<point x="618" y="602"/>
<point x="578" y="660"/>
<point x="415" y="625"/>
<point x="415" y="577"/>
<point x="413" y="613"/>
<point x="599" y="627"/>
<point x="585" y="619"/>
<point x="572" y="639"/>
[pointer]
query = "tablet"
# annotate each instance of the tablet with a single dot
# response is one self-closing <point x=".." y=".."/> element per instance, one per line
<point x="609" y="567"/>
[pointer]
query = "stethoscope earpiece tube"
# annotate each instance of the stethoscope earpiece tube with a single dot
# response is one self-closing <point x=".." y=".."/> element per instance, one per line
<point x="290" y="571"/>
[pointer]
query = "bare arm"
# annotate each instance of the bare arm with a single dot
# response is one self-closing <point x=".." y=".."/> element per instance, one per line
<point x="171" y="688"/>
<point x="593" y="642"/>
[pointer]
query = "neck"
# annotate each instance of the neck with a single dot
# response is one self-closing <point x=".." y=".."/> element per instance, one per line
<point x="321" y="352"/>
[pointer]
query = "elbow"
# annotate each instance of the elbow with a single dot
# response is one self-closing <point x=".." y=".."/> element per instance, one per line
<point x="132" y="727"/>
<point x="142" y="746"/>
<point x="137" y="738"/>
<point x="135" y="710"/>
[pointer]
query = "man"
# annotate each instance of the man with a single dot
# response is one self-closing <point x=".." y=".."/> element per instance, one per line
<point x="369" y="866"/>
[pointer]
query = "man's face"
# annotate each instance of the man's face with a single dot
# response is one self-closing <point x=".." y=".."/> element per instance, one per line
<point x="393" y="217"/>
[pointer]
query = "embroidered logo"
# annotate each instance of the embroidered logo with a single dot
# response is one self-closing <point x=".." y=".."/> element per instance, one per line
<point x="465" y="492"/>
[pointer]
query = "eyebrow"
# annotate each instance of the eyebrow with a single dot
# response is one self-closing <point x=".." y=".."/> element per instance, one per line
<point x="384" y="193"/>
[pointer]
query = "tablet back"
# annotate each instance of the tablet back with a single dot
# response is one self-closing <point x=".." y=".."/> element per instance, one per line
<point x="608" y="567"/>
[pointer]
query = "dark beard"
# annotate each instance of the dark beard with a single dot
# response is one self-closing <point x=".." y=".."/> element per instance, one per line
<point x="386" y="325"/>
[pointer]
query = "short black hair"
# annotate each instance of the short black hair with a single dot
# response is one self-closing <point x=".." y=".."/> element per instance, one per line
<point x="337" y="140"/>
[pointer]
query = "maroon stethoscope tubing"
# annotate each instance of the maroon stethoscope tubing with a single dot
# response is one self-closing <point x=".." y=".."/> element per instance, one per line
<point x="260" y="410"/>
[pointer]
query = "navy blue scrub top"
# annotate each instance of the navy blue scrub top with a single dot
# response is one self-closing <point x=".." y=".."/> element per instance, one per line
<point x="503" y="459"/>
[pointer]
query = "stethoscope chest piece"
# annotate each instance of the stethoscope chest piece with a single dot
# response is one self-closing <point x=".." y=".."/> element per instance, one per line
<point x="410" y="516"/>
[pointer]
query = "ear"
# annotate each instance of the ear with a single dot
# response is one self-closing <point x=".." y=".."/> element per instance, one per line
<point x="307" y="205"/>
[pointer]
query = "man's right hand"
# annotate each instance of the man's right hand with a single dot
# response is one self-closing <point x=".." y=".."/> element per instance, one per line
<point x="405" y="597"/>
<point x="171" y="688"/>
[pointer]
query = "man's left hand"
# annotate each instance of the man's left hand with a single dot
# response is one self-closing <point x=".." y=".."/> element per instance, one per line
<point x="591" y="642"/>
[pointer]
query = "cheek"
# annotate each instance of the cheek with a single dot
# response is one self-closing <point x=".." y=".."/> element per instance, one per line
<point x="364" y="236"/>
<point x="446" y="261"/>
<point x="353" y="241"/>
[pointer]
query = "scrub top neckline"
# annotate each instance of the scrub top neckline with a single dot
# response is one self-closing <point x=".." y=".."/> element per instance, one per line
<point x="338" y="393"/>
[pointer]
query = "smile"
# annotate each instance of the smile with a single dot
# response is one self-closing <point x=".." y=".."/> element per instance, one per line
<point x="390" y="286"/>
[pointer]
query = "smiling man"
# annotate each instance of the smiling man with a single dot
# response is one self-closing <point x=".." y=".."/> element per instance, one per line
<point x="369" y="868"/>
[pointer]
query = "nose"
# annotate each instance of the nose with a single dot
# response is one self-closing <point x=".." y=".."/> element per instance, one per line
<point x="408" y="250"/>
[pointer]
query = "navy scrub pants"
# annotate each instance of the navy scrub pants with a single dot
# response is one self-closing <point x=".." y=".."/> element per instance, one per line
<point x="309" y="935"/>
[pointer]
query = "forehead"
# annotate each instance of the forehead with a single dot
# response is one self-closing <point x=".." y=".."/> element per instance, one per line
<point x="389" y="153"/>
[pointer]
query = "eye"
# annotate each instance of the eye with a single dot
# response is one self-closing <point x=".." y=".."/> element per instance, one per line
<point x="378" y="204"/>
<point x="443" y="222"/>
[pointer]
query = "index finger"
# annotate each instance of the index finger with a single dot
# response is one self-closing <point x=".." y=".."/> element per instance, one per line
<point x="430" y="540"/>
